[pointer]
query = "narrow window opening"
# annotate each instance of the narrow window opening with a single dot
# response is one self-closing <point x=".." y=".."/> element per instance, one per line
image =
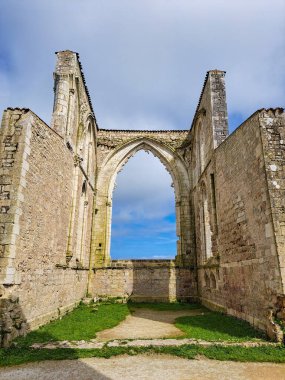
<point x="198" y="150"/>
<point x="84" y="187"/>
<point x="214" y="202"/>
<point x="206" y="233"/>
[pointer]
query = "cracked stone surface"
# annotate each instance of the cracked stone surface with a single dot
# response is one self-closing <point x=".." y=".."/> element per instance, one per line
<point x="146" y="343"/>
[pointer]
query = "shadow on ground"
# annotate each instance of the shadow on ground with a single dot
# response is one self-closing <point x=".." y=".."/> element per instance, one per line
<point x="196" y="321"/>
<point x="13" y="324"/>
<point x="64" y="370"/>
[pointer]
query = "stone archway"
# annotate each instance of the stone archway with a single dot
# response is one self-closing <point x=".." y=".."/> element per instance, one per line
<point x="114" y="150"/>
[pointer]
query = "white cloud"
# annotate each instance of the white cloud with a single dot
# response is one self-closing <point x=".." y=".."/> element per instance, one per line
<point x="144" y="62"/>
<point x="148" y="195"/>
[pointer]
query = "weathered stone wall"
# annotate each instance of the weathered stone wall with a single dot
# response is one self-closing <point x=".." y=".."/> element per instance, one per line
<point x="37" y="284"/>
<point x="47" y="190"/>
<point x="109" y="140"/>
<point x="145" y="280"/>
<point x="210" y="124"/>
<point x="272" y="125"/>
<point x="242" y="274"/>
<point x="74" y="120"/>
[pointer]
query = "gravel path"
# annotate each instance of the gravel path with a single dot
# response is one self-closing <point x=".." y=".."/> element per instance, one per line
<point x="147" y="324"/>
<point x="144" y="367"/>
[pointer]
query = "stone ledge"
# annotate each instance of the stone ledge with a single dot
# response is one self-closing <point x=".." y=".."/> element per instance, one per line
<point x="212" y="305"/>
<point x="65" y="266"/>
<point x="141" y="264"/>
<point x="93" y="343"/>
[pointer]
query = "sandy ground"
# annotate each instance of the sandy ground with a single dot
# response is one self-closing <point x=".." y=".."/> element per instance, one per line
<point x="144" y="367"/>
<point x="147" y="324"/>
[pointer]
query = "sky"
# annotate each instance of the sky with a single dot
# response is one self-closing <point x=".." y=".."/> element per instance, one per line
<point x="145" y="62"/>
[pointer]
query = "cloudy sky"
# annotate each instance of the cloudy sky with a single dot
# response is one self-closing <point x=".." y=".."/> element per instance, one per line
<point x="145" y="62"/>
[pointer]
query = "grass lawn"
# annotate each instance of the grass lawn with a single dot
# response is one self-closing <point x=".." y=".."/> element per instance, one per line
<point x="81" y="324"/>
<point x="213" y="326"/>
<point x="85" y="321"/>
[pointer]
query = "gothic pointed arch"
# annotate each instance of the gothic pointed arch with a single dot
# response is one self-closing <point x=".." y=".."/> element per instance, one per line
<point x="111" y="163"/>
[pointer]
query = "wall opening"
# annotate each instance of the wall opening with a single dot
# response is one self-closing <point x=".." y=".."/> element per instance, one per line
<point x="143" y="211"/>
<point x="214" y="202"/>
<point x="200" y="150"/>
<point x="205" y="227"/>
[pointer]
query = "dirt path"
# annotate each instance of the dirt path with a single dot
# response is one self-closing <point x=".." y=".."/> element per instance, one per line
<point x="147" y="324"/>
<point x="144" y="367"/>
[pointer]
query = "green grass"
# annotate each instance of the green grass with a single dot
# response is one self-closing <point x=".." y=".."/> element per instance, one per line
<point x="213" y="326"/>
<point x="276" y="354"/>
<point x="159" y="306"/>
<point x="84" y="322"/>
<point x="81" y="324"/>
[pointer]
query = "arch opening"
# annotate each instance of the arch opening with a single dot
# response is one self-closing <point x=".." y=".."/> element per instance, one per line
<point x="110" y="166"/>
<point x="143" y="215"/>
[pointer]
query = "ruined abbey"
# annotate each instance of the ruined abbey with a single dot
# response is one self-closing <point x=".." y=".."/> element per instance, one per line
<point x="56" y="207"/>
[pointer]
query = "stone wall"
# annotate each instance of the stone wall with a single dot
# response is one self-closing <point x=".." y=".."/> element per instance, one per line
<point x="37" y="283"/>
<point x="47" y="184"/>
<point x="242" y="273"/>
<point x="145" y="281"/>
<point x="210" y="124"/>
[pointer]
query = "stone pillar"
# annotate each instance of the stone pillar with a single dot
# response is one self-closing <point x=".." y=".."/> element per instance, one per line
<point x="219" y="106"/>
<point x="64" y="92"/>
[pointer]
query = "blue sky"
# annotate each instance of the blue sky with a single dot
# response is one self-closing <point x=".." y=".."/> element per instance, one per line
<point x="144" y="62"/>
<point x="143" y="211"/>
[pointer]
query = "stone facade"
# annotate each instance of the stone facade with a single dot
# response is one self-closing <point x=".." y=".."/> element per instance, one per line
<point x="238" y="271"/>
<point x="145" y="280"/>
<point x="56" y="186"/>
